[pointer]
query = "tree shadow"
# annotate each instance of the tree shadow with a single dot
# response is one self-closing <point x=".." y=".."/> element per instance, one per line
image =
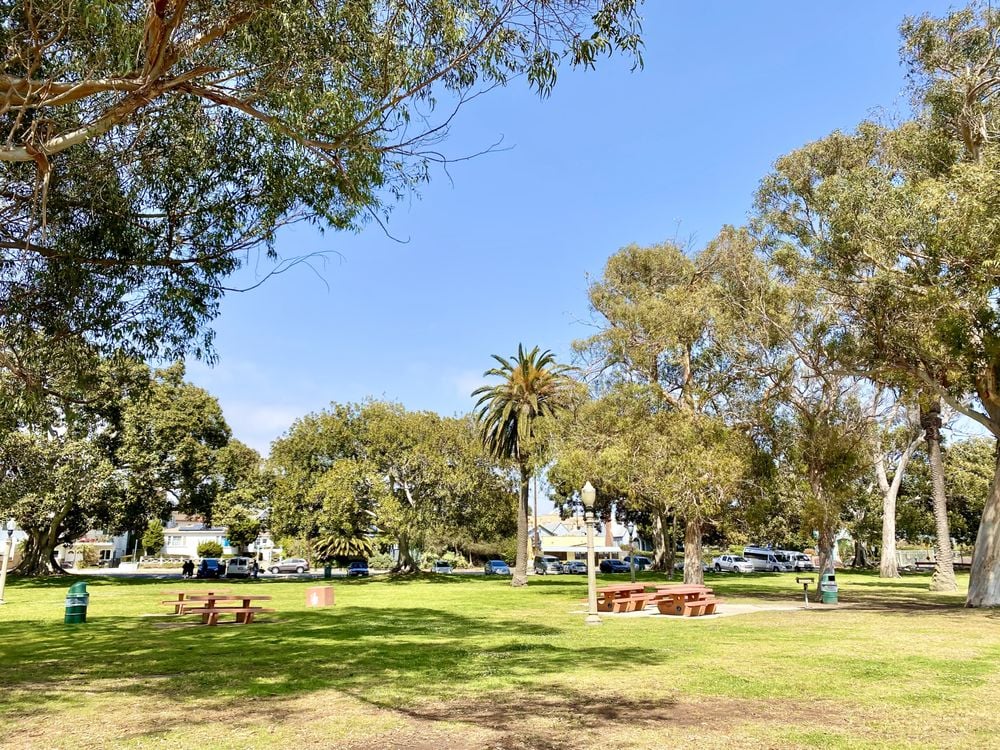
<point x="404" y="654"/>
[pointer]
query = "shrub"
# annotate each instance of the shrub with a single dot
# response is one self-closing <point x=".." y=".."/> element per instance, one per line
<point x="210" y="549"/>
<point x="88" y="556"/>
<point x="381" y="560"/>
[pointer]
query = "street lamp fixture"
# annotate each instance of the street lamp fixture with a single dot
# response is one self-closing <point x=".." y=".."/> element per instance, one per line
<point x="588" y="495"/>
<point x="11" y="525"/>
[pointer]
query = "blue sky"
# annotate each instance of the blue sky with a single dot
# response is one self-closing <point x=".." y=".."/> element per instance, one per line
<point x="500" y="253"/>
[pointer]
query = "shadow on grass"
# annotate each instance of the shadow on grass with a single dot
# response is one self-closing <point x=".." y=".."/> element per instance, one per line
<point x="382" y="656"/>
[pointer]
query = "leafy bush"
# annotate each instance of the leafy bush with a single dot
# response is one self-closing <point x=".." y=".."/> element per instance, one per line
<point x="209" y="549"/>
<point x="88" y="556"/>
<point x="381" y="561"/>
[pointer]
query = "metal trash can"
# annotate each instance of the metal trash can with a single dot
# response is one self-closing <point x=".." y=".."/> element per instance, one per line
<point x="77" y="601"/>
<point x="328" y="571"/>
<point x="828" y="588"/>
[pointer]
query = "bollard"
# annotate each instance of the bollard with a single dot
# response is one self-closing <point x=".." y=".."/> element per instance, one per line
<point x="806" y="582"/>
<point x="828" y="587"/>
<point x="77" y="601"/>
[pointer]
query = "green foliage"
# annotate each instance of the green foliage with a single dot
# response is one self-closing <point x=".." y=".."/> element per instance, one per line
<point x="413" y="476"/>
<point x="380" y="561"/>
<point x="209" y="549"/>
<point x="170" y="438"/>
<point x="179" y="137"/>
<point x="152" y="538"/>
<point x="532" y="387"/>
<point x="87" y="556"/>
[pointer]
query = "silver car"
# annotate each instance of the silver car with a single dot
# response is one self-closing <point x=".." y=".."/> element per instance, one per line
<point x="547" y="564"/>
<point x="290" y="565"/>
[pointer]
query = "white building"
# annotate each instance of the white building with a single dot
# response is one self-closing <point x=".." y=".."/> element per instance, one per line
<point x="181" y="538"/>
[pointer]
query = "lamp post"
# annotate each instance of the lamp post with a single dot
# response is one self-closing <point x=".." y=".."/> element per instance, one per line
<point x="6" y="558"/>
<point x="631" y="549"/>
<point x="588" y="495"/>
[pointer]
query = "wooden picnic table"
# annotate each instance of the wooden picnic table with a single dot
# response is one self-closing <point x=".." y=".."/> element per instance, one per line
<point x="689" y="599"/>
<point x="611" y="598"/>
<point x="210" y="609"/>
<point x="178" y="603"/>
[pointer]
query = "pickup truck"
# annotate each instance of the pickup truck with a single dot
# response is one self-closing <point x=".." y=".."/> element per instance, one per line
<point x="732" y="564"/>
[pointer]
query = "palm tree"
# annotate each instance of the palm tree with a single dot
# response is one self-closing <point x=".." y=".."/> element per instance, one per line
<point x="532" y="386"/>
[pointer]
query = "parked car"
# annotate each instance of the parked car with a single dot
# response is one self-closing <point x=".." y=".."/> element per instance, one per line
<point x="575" y="566"/>
<point x="732" y="564"/>
<point x="679" y="565"/>
<point x="766" y="559"/>
<point x="800" y="560"/>
<point x="357" y="569"/>
<point x="239" y="567"/>
<point x="547" y="564"/>
<point x="641" y="563"/>
<point x="614" y="566"/>
<point x="442" y="567"/>
<point x="496" y="568"/>
<point x="210" y="567"/>
<point x="290" y="565"/>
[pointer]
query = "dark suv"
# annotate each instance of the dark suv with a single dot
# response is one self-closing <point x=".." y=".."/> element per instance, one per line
<point x="614" y="566"/>
<point x="210" y="568"/>
<point x="357" y="568"/>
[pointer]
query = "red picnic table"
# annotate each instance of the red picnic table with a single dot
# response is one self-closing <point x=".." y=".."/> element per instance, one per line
<point x="210" y="610"/>
<point x="620" y="597"/>
<point x="688" y="599"/>
<point x="179" y="602"/>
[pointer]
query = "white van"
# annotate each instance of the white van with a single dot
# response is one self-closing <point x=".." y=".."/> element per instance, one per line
<point x="239" y="567"/>
<point x="770" y="560"/>
<point x="801" y="562"/>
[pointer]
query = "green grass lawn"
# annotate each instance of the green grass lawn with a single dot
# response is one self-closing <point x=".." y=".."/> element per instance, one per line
<point x="456" y="662"/>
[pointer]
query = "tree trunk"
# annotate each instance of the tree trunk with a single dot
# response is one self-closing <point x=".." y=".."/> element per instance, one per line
<point x="520" y="577"/>
<point x="659" y="542"/>
<point x="860" y="555"/>
<point x="825" y="548"/>
<point x="888" y="567"/>
<point x="888" y="564"/>
<point x="404" y="562"/>
<point x="38" y="557"/>
<point x="984" y="580"/>
<point x="672" y="548"/>
<point x="693" y="572"/>
<point x="944" y="565"/>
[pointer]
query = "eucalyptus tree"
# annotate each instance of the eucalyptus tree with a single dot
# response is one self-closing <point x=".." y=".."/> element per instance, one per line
<point x="898" y="224"/>
<point x="533" y="387"/>
<point x="675" y="323"/>
<point x="895" y="438"/>
<point x="150" y="147"/>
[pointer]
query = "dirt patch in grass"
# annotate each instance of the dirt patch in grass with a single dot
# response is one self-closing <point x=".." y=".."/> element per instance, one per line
<point x="572" y="719"/>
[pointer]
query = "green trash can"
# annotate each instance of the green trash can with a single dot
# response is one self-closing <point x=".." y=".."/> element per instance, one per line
<point x="828" y="588"/>
<point x="77" y="601"/>
<point x="328" y="572"/>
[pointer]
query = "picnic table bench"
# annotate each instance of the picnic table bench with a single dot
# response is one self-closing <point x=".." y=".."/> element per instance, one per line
<point x="210" y="615"/>
<point x="208" y="606"/>
<point x="618" y="597"/>
<point x="183" y="596"/>
<point x="686" y="600"/>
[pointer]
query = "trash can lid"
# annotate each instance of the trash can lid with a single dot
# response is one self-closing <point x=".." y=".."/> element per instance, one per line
<point x="80" y="587"/>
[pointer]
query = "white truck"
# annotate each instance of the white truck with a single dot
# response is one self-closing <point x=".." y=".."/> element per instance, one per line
<point x="732" y="564"/>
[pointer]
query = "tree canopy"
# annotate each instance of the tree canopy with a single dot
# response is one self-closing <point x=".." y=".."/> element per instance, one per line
<point x="150" y="146"/>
